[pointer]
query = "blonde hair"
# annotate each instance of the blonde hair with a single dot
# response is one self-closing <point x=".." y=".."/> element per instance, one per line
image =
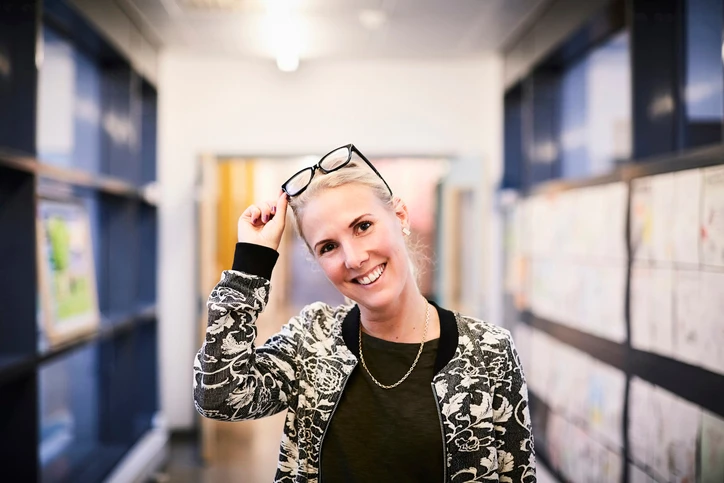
<point x="360" y="174"/>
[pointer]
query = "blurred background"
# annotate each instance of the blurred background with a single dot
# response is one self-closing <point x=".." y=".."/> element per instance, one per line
<point x="563" y="162"/>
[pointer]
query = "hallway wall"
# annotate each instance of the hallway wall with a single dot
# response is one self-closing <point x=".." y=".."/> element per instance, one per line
<point x="224" y="106"/>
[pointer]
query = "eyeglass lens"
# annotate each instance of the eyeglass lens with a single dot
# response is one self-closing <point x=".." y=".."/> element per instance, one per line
<point x="299" y="181"/>
<point x="334" y="159"/>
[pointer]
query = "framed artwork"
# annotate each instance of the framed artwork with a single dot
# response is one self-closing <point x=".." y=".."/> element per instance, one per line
<point x="66" y="271"/>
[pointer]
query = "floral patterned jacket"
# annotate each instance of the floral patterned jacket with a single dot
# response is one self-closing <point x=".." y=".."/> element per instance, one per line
<point x="479" y="385"/>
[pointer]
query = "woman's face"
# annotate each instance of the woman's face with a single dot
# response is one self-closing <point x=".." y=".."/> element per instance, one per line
<point x="359" y="244"/>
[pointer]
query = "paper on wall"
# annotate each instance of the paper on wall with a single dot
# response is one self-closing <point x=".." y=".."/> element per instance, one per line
<point x="663" y="431"/>
<point x="641" y="422"/>
<point x="711" y="456"/>
<point x="606" y="399"/>
<point x="686" y="212"/>
<point x="640" y="300"/>
<point x="684" y="418"/>
<point x="637" y="475"/>
<point x="662" y="198"/>
<point x="613" y="236"/>
<point x="612" y="321"/>
<point x="712" y="288"/>
<point x="691" y="332"/>
<point x="652" y="309"/>
<point x="661" y="310"/>
<point x="712" y="223"/>
<point x="641" y="219"/>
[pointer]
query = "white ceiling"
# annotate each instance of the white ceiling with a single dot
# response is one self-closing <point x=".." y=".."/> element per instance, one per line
<point x="331" y="29"/>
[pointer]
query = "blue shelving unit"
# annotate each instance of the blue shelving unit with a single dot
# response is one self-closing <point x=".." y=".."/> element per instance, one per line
<point x="80" y="124"/>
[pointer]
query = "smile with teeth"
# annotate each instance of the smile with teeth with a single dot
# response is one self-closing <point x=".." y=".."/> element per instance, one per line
<point x="372" y="276"/>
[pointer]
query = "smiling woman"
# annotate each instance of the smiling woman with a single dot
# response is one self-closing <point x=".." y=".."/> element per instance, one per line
<point x="438" y="396"/>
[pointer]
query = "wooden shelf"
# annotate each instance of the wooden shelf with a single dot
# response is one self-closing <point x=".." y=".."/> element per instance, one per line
<point x="690" y="159"/>
<point x="12" y="367"/>
<point x="106" y="184"/>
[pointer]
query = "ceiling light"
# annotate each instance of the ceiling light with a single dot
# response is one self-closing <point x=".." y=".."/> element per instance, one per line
<point x="283" y="29"/>
<point x="287" y="62"/>
<point x="372" y="19"/>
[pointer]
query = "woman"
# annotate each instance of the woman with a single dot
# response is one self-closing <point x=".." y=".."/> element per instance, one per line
<point x="391" y="388"/>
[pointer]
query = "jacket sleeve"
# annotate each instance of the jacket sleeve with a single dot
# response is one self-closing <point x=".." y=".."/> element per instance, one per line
<point x="233" y="380"/>
<point x="511" y="416"/>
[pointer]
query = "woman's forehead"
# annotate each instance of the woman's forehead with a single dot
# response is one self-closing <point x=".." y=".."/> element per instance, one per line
<point x="353" y="196"/>
<point x="337" y="207"/>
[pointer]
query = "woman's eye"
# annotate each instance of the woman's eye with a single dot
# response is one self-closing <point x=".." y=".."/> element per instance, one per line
<point x="364" y="226"/>
<point x="325" y="248"/>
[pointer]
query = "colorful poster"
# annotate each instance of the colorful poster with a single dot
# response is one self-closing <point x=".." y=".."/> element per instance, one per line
<point x="712" y="223"/>
<point x="67" y="284"/>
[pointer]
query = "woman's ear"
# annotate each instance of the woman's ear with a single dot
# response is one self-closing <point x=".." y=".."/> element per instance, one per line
<point x="401" y="211"/>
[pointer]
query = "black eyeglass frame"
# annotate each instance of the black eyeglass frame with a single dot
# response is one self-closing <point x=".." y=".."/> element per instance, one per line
<point x="350" y="149"/>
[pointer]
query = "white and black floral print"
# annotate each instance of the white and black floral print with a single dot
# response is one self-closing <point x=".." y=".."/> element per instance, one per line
<point x="480" y="391"/>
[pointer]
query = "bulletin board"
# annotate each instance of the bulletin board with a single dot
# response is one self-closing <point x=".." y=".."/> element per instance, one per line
<point x="618" y="289"/>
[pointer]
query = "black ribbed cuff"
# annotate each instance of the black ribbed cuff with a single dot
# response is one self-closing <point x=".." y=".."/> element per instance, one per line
<point x="254" y="259"/>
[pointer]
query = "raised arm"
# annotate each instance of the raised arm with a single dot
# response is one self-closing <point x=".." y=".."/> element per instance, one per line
<point x="233" y="380"/>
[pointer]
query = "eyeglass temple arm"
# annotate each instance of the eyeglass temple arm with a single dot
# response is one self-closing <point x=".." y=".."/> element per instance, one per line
<point x="353" y="148"/>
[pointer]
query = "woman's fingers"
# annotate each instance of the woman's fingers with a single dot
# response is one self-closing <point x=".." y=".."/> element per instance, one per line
<point x="268" y="209"/>
<point x="281" y="204"/>
<point x="261" y="213"/>
<point x="254" y="214"/>
<point x="263" y="223"/>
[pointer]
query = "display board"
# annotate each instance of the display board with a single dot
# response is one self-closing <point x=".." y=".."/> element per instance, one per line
<point x="618" y="289"/>
<point x="677" y="279"/>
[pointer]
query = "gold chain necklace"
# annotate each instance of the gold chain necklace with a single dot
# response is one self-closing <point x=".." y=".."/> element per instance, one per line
<point x="417" y="358"/>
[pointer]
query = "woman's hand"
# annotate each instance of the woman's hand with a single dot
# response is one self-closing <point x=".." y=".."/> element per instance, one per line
<point x="263" y="223"/>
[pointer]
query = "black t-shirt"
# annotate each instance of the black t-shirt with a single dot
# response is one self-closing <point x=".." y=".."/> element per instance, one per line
<point x="379" y="435"/>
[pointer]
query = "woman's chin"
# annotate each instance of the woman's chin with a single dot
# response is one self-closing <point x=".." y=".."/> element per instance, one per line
<point x="375" y="300"/>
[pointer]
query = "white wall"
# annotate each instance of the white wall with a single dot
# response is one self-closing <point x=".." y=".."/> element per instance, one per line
<point x="226" y="106"/>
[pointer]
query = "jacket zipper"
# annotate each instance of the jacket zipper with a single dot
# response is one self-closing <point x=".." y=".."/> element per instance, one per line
<point x="442" y="431"/>
<point x="329" y="421"/>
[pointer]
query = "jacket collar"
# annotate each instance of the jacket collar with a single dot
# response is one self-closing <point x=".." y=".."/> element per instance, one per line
<point x="448" y="334"/>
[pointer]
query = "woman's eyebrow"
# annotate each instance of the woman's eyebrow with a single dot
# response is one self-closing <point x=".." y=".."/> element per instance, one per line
<point x="353" y="223"/>
<point x="356" y="220"/>
<point x="321" y="242"/>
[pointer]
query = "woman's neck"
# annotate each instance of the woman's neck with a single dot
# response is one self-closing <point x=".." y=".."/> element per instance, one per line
<point x="402" y="322"/>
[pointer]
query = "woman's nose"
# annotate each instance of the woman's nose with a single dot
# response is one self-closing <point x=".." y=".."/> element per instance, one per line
<point x="354" y="256"/>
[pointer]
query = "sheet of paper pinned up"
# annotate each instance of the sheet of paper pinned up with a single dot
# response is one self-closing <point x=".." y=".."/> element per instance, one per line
<point x="711" y="456"/>
<point x="686" y="216"/>
<point x="712" y="223"/>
